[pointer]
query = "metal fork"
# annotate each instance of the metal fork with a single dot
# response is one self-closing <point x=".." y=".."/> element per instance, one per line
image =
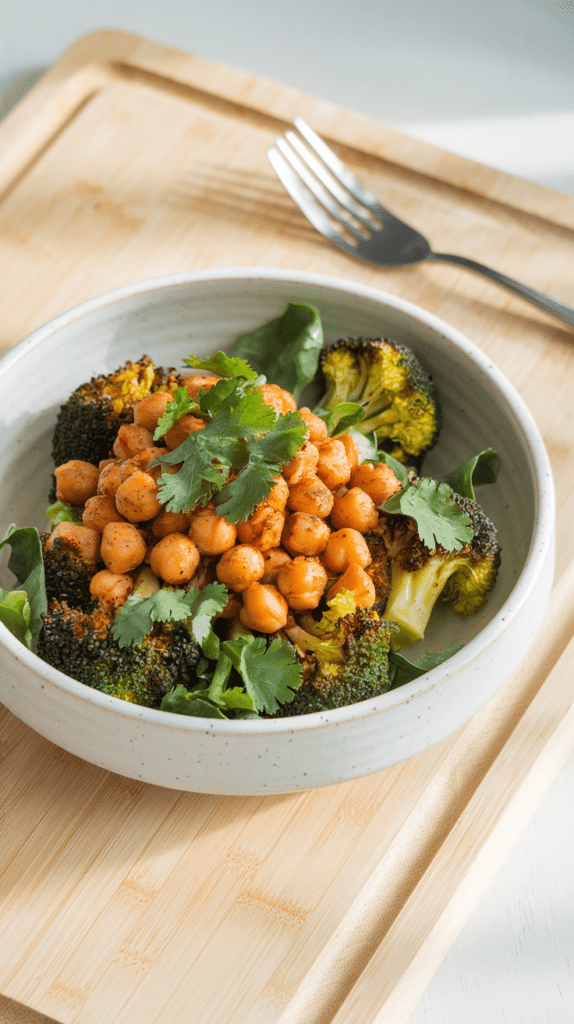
<point x="339" y="206"/>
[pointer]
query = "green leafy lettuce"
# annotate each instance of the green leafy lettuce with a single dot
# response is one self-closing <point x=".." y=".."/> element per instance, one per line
<point x="480" y="469"/>
<point x="287" y="348"/>
<point x="402" y="671"/>
<point x="21" y="609"/>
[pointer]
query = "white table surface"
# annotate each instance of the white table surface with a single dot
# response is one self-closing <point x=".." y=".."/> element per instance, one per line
<point x="493" y="81"/>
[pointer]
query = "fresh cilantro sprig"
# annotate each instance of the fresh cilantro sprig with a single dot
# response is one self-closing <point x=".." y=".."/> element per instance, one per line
<point x="182" y="404"/>
<point x="136" y="617"/>
<point x="243" y="439"/>
<point x="223" y="365"/>
<point x="439" y="519"/>
<point x="269" y="674"/>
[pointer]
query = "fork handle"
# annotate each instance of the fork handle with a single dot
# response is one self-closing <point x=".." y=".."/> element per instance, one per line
<point x="558" y="309"/>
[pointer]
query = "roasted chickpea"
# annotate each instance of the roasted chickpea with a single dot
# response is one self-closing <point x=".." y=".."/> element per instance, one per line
<point x="278" y="494"/>
<point x="169" y="522"/>
<point x="174" y="558"/>
<point x="232" y="608"/>
<point x="302" y="582"/>
<point x="131" y="439"/>
<point x="264" y="608"/>
<point x="137" y="498"/>
<point x="182" y="428"/>
<point x="240" y="566"/>
<point x="111" y="588"/>
<point x="199" y="380"/>
<point x="281" y="400"/>
<point x="123" y="547"/>
<point x="378" y="481"/>
<point x="143" y="460"/>
<point x="149" y="411"/>
<point x="100" y="510"/>
<point x="304" y="534"/>
<point x="311" y="495"/>
<point x="351" y="449"/>
<point x="76" y="481"/>
<point x="263" y="529"/>
<point x="304" y="463"/>
<point x="344" y="548"/>
<point x="359" y="583"/>
<point x="110" y="478"/>
<point x="81" y="539"/>
<point x="356" y="510"/>
<point x="333" y="466"/>
<point x="316" y="427"/>
<point x="275" y="559"/>
<point x="211" y="533"/>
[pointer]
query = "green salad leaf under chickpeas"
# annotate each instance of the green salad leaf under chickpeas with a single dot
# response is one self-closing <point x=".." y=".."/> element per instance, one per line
<point x="215" y="551"/>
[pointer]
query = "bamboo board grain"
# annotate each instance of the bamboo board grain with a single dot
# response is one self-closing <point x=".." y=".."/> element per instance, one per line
<point x="126" y="902"/>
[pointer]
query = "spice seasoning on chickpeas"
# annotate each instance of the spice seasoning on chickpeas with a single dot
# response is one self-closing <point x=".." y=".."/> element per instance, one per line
<point x="304" y="536"/>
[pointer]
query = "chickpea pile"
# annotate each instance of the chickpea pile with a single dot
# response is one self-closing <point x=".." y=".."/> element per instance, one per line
<point x="303" y="542"/>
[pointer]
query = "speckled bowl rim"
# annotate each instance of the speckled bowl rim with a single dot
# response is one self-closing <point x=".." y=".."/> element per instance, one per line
<point x="544" y="512"/>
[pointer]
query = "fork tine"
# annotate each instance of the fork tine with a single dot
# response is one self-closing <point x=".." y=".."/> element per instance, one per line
<point x="338" y="169"/>
<point x="342" y="196"/>
<point x="305" y="191"/>
<point x="304" y="200"/>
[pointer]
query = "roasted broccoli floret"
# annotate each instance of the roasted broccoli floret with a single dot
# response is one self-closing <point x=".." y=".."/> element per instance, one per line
<point x="88" y="422"/>
<point x="67" y="574"/>
<point x="419" y="575"/>
<point x="389" y="382"/>
<point x="344" y="657"/>
<point x="379" y="570"/>
<point x="81" y="645"/>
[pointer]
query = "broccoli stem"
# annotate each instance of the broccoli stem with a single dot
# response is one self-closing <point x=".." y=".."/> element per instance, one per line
<point x="414" y="595"/>
<point x="220" y="678"/>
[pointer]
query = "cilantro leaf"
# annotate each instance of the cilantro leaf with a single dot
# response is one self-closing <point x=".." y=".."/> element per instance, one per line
<point x="439" y="519"/>
<point x="207" y="604"/>
<point x="22" y="615"/>
<point x="287" y="348"/>
<point x="237" y="699"/>
<point x="182" y="404"/>
<point x="136" y="617"/>
<point x="243" y="433"/>
<point x="403" y="671"/>
<point x="222" y="365"/>
<point x="267" y="454"/>
<point x="270" y="674"/>
<point x="481" y="469"/>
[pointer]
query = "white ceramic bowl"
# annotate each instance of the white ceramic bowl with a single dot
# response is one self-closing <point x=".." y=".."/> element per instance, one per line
<point x="170" y="317"/>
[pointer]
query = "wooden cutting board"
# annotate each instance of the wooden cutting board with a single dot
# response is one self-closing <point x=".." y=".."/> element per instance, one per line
<point x="132" y="904"/>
